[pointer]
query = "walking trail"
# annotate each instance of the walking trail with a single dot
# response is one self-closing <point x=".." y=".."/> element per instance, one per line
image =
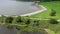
<point x="49" y="31"/>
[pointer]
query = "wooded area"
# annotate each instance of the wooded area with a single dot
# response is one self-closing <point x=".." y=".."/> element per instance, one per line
<point x="48" y="0"/>
<point x="39" y="0"/>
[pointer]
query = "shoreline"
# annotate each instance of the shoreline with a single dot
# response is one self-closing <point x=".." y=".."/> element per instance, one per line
<point x="39" y="11"/>
<point x="29" y="14"/>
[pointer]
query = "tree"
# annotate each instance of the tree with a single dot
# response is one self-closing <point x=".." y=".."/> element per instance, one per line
<point x="28" y="21"/>
<point x="9" y="20"/>
<point x="45" y="0"/>
<point x="36" y="23"/>
<point x="53" y="12"/>
<point x="19" y="20"/>
<point x="53" y="21"/>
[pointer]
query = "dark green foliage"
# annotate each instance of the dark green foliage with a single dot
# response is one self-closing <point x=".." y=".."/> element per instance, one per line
<point x="28" y="21"/>
<point x="55" y="0"/>
<point x="47" y="0"/>
<point x="53" y="12"/>
<point x="38" y="0"/>
<point x="36" y="23"/>
<point x="18" y="27"/>
<point x="19" y="20"/>
<point x="9" y="20"/>
<point x="53" y="21"/>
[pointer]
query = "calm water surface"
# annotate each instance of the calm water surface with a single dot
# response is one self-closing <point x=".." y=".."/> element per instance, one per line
<point x="12" y="7"/>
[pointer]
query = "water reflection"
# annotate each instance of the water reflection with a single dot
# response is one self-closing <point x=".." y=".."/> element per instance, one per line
<point x="5" y="30"/>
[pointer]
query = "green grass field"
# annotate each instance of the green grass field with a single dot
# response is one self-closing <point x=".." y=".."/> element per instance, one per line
<point x="49" y="5"/>
<point x="46" y="14"/>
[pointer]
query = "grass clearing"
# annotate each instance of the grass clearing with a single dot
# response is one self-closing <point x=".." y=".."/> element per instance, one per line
<point x="49" y="5"/>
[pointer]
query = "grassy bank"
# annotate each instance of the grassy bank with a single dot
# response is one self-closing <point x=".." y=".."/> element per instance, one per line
<point x="45" y="15"/>
<point x="49" y="5"/>
<point x="31" y="25"/>
<point x="21" y="23"/>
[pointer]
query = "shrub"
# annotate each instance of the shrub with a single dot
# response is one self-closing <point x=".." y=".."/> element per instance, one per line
<point x="36" y="23"/>
<point x="9" y="20"/>
<point x="53" y="12"/>
<point x="19" y="20"/>
<point x="28" y="21"/>
<point x="53" y="21"/>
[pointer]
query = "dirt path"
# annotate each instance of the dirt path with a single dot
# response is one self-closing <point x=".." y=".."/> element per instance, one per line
<point x="13" y="24"/>
<point x="47" y="31"/>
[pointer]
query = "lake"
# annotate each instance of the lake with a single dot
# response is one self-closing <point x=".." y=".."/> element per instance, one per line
<point x="13" y="7"/>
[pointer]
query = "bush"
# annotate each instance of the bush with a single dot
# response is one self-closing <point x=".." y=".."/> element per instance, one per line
<point x="36" y="23"/>
<point x="28" y="21"/>
<point x="53" y="21"/>
<point x="9" y="20"/>
<point x="53" y="12"/>
<point x="47" y="0"/>
<point x="19" y="20"/>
